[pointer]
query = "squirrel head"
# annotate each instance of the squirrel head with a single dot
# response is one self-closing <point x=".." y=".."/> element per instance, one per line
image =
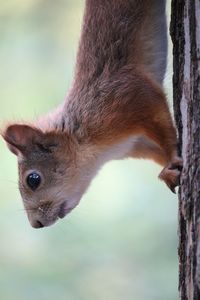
<point x="50" y="179"/>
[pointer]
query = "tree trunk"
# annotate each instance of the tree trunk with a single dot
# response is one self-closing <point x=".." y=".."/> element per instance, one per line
<point x="185" y="33"/>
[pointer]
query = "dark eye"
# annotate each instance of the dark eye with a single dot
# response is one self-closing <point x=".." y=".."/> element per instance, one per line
<point x="33" y="180"/>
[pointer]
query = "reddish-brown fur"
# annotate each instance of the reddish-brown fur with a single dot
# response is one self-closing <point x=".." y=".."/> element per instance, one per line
<point x="116" y="96"/>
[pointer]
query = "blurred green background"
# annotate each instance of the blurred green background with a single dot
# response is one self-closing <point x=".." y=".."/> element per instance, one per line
<point x="121" y="242"/>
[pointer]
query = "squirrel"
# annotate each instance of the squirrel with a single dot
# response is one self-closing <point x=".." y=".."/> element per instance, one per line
<point x="116" y="108"/>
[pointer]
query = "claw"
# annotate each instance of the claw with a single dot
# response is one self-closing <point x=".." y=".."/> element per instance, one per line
<point x="172" y="188"/>
<point x="171" y="174"/>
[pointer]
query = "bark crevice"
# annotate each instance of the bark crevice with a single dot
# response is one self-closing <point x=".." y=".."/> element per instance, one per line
<point x="185" y="33"/>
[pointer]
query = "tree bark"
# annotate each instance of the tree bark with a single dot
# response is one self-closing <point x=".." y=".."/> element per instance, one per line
<point x="185" y="33"/>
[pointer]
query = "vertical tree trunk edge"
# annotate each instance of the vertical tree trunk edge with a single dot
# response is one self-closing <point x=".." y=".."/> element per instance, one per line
<point x="185" y="34"/>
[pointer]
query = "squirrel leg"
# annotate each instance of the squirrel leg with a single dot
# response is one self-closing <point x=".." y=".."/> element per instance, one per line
<point x="155" y="123"/>
<point x="146" y="149"/>
<point x="162" y="132"/>
<point x="171" y="173"/>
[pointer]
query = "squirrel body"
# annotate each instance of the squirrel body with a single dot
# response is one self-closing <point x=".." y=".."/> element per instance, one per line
<point x="116" y="108"/>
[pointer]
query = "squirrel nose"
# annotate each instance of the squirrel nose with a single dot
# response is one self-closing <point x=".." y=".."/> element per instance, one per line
<point x="37" y="224"/>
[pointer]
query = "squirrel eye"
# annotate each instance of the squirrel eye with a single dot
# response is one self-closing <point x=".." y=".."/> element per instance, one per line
<point x="33" y="180"/>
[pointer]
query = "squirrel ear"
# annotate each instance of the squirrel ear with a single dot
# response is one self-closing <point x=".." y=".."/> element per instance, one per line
<point x="20" y="138"/>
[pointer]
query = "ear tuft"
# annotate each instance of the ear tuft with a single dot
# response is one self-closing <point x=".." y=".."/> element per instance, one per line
<point x="20" y="138"/>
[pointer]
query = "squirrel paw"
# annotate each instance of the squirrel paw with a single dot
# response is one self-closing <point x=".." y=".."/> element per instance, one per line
<point x="171" y="173"/>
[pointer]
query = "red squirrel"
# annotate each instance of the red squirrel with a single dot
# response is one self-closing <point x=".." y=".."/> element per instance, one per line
<point x="116" y="108"/>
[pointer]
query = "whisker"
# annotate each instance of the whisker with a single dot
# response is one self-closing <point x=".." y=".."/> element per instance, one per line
<point x="61" y="228"/>
<point x="8" y="180"/>
<point x="26" y="209"/>
<point x="14" y="187"/>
